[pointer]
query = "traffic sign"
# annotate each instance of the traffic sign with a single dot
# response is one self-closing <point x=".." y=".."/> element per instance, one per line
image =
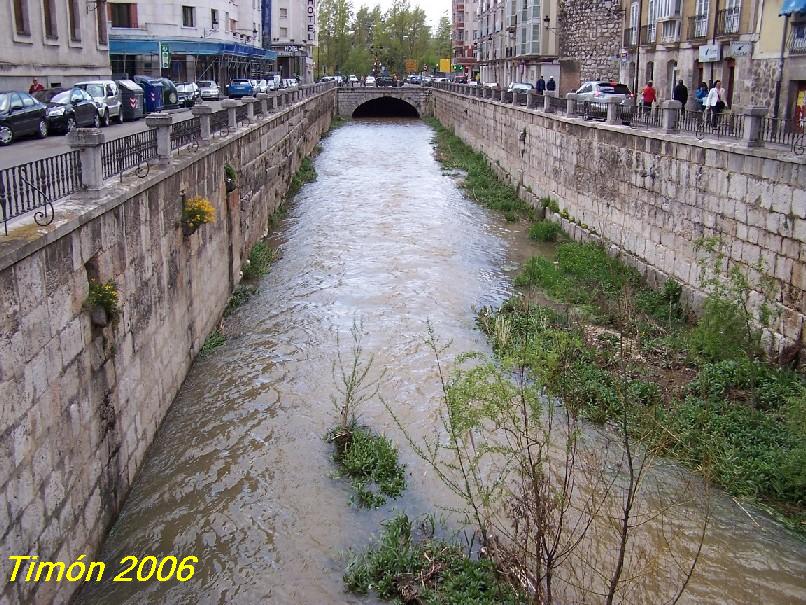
<point x="411" y="66"/>
<point x="165" y="56"/>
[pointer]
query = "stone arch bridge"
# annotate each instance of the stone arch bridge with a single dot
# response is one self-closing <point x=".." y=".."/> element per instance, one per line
<point x="405" y="101"/>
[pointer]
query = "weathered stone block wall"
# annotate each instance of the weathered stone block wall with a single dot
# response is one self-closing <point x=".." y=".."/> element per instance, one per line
<point x="653" y="196"/>
<point x="590" y="39"/>
<point x="351" y="99"/>
<point x="81" y="403"/>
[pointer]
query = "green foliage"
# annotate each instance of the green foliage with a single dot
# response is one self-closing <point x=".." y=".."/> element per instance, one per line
<point x="403" y="567"/>
<point x="371" y="463"/>
<point x="230" y="173"/>
<point x="481" y="184"/>
<point x="545" y="231"/>
<point x="277" y="216"/>
<point x="550" y="204"/>
<point x="723" y="332"/>
<point x="260" y="259"/>
<point x="104" y="296"/>
<point x="242" y="293"/>
<point x="305" y="174"/>
<point x="215" y="340"/>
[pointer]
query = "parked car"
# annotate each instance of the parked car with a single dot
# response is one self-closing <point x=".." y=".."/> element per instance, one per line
<point x="384" y="80"/>
<point x="289" y="83"/>
<point x="238" y="89"/>
<point x="107" y="97"/>
<point x="262" y="86"/>
<point x="67" y="108"/>
<point x="370" y="81"/>
<point x="187" y="94"/>
<point x="520" y="87"/>
<point x="415" y="80"/>
<point x="352" y="79"/>
<point x="426" y="80"/>
<point x="21" y="114"/>
<point x="170" y="96"/>
<point x="208" y="90"/>
<point x="601" y="92"/>
<point x="328" y="79"/>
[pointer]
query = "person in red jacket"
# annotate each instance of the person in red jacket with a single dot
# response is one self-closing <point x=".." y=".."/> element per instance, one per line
<point x="649" y="96"/>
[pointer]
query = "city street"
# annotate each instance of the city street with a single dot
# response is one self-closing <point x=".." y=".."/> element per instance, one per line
<point x="30" y="149"/>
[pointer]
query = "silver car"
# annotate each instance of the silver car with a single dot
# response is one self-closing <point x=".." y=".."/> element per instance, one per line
<point x="520" y="87"/>
<point x="600" y="92"/>
<point x="209" y="90"/>
<point x="107" y="97"/>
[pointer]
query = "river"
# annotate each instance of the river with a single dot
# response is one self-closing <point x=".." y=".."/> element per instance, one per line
<point x="239" y="474"/>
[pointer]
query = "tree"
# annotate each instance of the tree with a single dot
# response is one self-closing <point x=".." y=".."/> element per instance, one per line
<point x="442" y="39"/>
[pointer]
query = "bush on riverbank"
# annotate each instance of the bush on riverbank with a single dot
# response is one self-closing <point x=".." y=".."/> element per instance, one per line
<point x="414" y="569"/>
<point x="261" y="258"/>
<point x="481" y="184"/>
<point x="705" y="397"/>
<point x="306" y="174"/>
<point x="545" y="231"/>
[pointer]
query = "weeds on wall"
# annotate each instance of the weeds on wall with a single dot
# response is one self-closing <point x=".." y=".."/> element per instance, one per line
<point x="105" y="297"/>
<point x="197" y="211"/>
<point x="261" y="257"/>
<point x="306" y="174"/>
<point x="214" y="341"/>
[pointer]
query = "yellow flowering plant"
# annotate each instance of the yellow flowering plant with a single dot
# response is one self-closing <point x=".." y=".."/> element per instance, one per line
<point x="196" y="212"/>
<point x="104" y="296"/>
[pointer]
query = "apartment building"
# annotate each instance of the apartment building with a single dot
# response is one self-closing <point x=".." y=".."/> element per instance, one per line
<point x="691" y="40"/>
<point x="57" y="42"/>
<point x="464" y="34"/>
<point x="517" y="40"/>
<point x="188" y="40"/>
<point x="294" y="35"/>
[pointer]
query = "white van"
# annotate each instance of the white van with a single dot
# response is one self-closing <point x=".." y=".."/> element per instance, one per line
<point x="107" y="97"/>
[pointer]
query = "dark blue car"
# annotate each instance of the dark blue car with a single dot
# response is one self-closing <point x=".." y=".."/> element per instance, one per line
<point x="240" y="88"/>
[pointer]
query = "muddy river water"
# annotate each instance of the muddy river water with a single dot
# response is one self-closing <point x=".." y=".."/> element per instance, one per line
<point x="239" y="474"/>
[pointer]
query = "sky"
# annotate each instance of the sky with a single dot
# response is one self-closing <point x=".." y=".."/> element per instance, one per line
<point x="433" y="8"/>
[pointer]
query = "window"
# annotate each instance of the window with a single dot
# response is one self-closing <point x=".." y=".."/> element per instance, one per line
<point x="284" y="32"/>
<point x="283" y="13"/>
<point x="49" y="14"/>
<point x="188" y="16"/>
<point x="123" y="14"/>
<point x="16" y="101"/>
<point x="27" y="100"/>
<point x="213" y="18"/>
<point x="21" y="17"/>
<point x="74" y="20"/>
<point x="226" y="21"/>
<point x="101" y="22"/>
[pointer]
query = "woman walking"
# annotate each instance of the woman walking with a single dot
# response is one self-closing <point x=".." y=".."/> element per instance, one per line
<point x="715" y="102"/>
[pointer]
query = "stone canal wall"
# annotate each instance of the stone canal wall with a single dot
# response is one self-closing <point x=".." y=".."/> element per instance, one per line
<point x="653" y="196"/>
<point x="81" y="403"/>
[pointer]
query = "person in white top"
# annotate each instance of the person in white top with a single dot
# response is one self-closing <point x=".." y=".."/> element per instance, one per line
<point x="715" y="102"/>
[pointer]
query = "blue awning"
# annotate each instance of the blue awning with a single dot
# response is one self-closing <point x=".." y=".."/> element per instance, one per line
<point x="140" y="46"/>
<point x="793" y="6"/>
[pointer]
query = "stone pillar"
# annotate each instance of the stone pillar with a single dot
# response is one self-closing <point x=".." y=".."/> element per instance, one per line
<point x="571" y="104"/>
<point x="204" y="113"/>
<point x="274" y="101"/>
<point x="162" y="122"/>
<point x="613" y="116"/>
<point x="547" y="104"/>
<point x="670" y="115"/>
<point x="532" y="99"/>
<point x="502" y="96"/>
<point x="753" y="130"/>
<point x="250" y="108"/>
<point x="89" y="142"/>
<point x="262" y="103"/>
<point x="516" y="98"/>
<point x="231" y="106"/>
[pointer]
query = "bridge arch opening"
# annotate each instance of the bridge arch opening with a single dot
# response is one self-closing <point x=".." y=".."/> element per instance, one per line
<point x="386" y="107"/>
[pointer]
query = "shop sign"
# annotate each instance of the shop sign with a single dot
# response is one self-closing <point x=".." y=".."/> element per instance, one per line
<point x="311" y="20"/>
<point x="709" y="53"/>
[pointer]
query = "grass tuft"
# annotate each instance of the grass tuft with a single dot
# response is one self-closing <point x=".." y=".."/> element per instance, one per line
<point x="215" y="340"/>
<point x="545" y="231"/>
<point x="261" y="258"/>
<point x="305" y="174"/>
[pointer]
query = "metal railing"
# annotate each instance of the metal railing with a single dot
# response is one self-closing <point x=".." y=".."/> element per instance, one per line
<point x="631" y="37"/>
<point x="185" y="132"/>
<point x="648" y="34"/>
<point x="647" y="116"/>
<point x="240" y="114"/>
<point x="219" y="121"/>
<point x="781" y="131"/>
<point x="125" y="153"/>
<point x="36" y="185"/>
<point x="593" y="110"/>
<point x="558" y="104"/>
<point x="697" y="27"/>
<point x="727" y="21"/>
<point x="796" y="39"/>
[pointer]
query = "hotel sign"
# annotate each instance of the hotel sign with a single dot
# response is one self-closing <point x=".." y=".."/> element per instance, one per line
<point x="311" y="20"/>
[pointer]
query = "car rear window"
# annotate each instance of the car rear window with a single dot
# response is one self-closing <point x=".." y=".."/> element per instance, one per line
<point x="617" y="89"/>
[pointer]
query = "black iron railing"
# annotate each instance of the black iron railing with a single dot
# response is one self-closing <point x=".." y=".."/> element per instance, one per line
<point x="727" y="21"/>
<point x="796" y="39"/>
<point x="648" y="34"/>
<point x="592" y="110"/>
<point x="781" y="131"/>
<point x="125" y="153"/>
<point x="647" y="116"/>
<point x="36" y="185"/>
<point x="219" y="121"/>
<point x="631" y="37"/>
<point x="697" y="27"/>
<point x="185" y="132"/>
<point x="240" y="114"/>
<point x="558" y="104"/>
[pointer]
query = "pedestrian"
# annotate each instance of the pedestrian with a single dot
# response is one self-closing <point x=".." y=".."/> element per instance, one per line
<point x="541" y="86"/>
<point x="649" y="96"/>
<point x="715" y="102"/>
<point x="701" y="94"/>
<point x="680" y="93"/>
<point x="551" y="85"/>
<point x="35" y="87"/>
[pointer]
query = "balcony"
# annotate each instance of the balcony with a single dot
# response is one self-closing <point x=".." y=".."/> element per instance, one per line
<point x="669" y="32"/>
<point x="631" y="37"/>
<point x="697" y="28"/>
<point x="648" y="33"/>
<point x="796" y="40"/>
<point x="727" y="21"/>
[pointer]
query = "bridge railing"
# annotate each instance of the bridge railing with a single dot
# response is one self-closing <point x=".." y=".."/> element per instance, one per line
<point x="32" y="188"/>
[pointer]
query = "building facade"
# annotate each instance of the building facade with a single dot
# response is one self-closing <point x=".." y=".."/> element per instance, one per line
<point x="694" y="41"/>
<point x="464" y="33"/>
<point x="294" y="36"/>
<point x="517" y="41"/>
<point x="188" y="40"/>
<point x="57" y="42"/>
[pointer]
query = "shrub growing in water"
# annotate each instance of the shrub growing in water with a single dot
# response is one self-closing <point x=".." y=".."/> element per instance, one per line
<point x="545" y="231"/>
